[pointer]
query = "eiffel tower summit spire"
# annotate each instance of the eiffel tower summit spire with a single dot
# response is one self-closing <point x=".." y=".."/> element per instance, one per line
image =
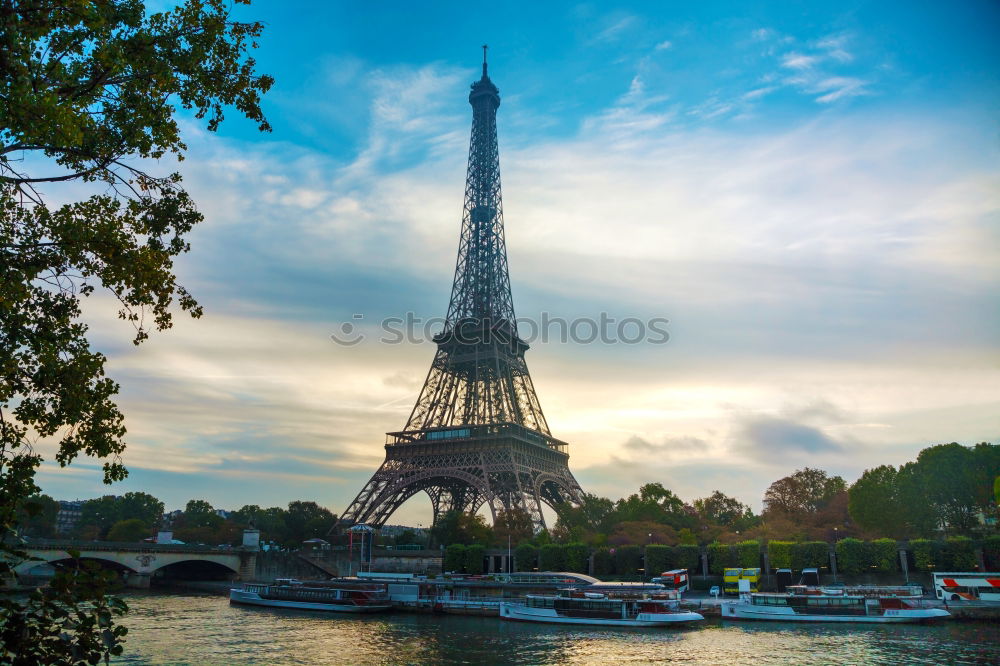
<point x="477" y="434"/>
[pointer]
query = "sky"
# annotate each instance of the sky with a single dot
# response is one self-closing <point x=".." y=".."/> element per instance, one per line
<point x="808" y="192"/>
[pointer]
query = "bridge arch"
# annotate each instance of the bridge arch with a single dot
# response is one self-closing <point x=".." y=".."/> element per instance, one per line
<point x="56" y="558"/>
<point x="194" y="569"/>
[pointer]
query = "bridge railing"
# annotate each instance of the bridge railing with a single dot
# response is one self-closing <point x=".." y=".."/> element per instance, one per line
<point x="136" y="546"/>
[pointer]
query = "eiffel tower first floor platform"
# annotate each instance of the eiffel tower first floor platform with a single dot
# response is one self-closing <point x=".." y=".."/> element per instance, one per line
<point x="503" y="466"/>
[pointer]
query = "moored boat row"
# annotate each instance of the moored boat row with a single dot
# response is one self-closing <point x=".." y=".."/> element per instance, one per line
<point x="599" y="603"/>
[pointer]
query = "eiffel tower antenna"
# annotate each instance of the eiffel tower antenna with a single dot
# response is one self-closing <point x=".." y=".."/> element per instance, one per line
<point x="477" y="434"/>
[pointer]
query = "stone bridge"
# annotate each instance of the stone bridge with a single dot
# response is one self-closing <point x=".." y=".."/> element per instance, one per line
<point x="138" y="562"/>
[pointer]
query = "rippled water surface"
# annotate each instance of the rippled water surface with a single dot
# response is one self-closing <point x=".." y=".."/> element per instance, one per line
<point x="193" y="628"/>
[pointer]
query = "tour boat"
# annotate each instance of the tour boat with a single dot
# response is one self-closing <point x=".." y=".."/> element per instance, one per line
<point x="290" y="593"/>
<point x="815" y="606"/>
<point x="594" y="608"/>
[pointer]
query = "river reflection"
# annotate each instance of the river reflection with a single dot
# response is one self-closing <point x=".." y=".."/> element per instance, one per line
<point x="192" y="628"/>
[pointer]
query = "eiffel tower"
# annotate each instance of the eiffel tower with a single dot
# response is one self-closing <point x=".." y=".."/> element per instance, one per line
<point x="477" y="434"/>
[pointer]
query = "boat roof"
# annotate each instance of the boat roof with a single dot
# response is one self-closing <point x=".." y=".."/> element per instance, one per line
<point x="615" y="585"/>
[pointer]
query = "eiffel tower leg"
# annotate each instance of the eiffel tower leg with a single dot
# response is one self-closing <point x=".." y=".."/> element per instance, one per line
<point x="525" y="497"/>
<point x="360" y="509"/>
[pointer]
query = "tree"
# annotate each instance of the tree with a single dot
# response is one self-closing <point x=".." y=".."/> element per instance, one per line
<point x="922" y="517"/>
<point x="308" y="520"/>
<point x="407" y="538"/>
<point x="686" y="537"/>
<point x="802" y="493"/>
<point x="201" y="524"/>
<point x="461" y="527"/>
<point x="100" y="513"/>
<point x="985" y="477"/>
<point x="950" y="479"/>
<point x="141" y="506"/>
<point x="654" y="503"/>
<point x="641" y="533"/>
<point x="272" y="523"/>
<point x="875" y="502"/>
<point x="86" y="90"/>
<point x="246" y="515"/>
<point x="199" y="513"/>
<point x="103" y="512"/>
<point x="593" y="516"/>
<point x="131" y="529"/>
<point x="723" y="510"/>
<point x="514" y="523"/>
<point x="37" y="516"/>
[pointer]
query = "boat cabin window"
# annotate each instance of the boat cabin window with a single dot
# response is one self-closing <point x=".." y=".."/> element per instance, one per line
<point x="770" y="601"/>
<point x="834" y="601"/>
<point x="541" y="602"/>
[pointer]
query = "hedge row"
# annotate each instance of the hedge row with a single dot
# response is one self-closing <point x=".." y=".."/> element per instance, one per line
<point x="628" y="560"/>
<point x="745" y="554"/>
<point x="853" y="556"/>
<point x="464" y="559"/>
<point x="798" y="555"/>
<point x="953" y="554"/>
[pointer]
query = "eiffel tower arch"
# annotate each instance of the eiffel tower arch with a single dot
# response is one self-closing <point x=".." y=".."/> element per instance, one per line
<point x="477" y="435"/>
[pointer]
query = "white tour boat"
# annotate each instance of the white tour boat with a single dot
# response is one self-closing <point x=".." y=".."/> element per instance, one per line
<point x="290" y="593"/>
<point x="594" y="608"/>
<point x="817" y="606"/>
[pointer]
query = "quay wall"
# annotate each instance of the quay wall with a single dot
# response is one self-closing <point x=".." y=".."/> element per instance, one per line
<point x="274" y="564"/>
<point x="320" y="565"/>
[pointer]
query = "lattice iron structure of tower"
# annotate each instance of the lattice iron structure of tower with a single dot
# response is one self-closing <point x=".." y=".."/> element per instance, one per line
<point x="477" y="434"/>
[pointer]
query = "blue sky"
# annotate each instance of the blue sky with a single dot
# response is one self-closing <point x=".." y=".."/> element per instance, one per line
<point x="809" y="192"/>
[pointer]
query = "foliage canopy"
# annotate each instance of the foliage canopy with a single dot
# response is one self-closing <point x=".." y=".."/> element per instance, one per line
<point x="89" y="97"/>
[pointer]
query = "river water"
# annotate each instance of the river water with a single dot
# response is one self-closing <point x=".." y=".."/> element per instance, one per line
<point x="194" y="628"/>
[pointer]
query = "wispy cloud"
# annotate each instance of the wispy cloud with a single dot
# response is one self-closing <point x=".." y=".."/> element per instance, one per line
<point x="615" y="28"/>
<point x="634" y="111"/>
<point x="820" y="72"/>
<point x="798" y="61"/>
<point x="835" y="47"/>
<point x="838" y="87"/>
<point x="757" y="93"/>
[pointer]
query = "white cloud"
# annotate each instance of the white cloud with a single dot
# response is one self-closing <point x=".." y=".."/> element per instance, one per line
<point x="798" y="61"/>
<point x="663" y="46"/>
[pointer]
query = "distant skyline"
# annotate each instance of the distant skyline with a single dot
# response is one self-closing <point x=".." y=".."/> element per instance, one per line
<point x="808" y="192"/>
